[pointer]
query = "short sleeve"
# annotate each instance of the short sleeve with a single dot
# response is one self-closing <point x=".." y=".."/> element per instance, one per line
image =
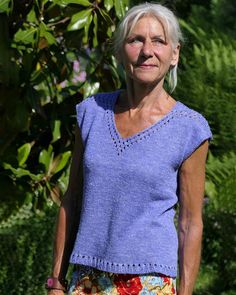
<point x="85" y="115"/>
<point x="198" y="132"/>
<point x="80" y="111"/>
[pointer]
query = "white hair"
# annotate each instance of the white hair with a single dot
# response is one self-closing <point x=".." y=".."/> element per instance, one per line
<point x="167" y="19"/>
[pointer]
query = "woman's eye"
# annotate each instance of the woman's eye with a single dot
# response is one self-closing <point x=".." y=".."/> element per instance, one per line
<point x="159" y="41"/>
<point x="134" y="41"/>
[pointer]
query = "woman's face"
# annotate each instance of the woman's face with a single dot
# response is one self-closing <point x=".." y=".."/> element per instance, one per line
<point x="147" y="53"/>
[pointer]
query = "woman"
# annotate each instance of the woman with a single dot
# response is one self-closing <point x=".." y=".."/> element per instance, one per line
<point x="137" y="153"/>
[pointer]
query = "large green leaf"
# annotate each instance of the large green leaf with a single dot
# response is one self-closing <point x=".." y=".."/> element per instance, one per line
<point x="31" y="16"/>
<point x="79" y="20"/>
<point x="56" y="133"/>
<point x="45" y="157"/>
<point x="49" y="37"/>
<point x="23" y="153"/>
<point x="79" y="2"/>
<point x="27" y="36"/>
<point x="20" y="172"/>
<point x="108" y="4"/>
<point x="5" y="5"/>
<point x="61" y="161"/>
<point x="44" y="32"/>
<point x="95" y="30"/>
<point x="86" y="29"/>
<point x="90" y="88"/>
<point x="120" y="7"/>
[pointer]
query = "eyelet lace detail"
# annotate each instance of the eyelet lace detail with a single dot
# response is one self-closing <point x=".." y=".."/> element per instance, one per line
<point x="107" y="102"/>
<point x="111" y="266"/>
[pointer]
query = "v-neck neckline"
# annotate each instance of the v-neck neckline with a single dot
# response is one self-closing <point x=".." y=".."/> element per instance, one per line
<point x="141" y="132"/>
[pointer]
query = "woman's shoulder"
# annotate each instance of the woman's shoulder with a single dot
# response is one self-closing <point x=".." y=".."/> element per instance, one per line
<point x="189" y="115"/>
<point x="94" y="105"/>
<point x="193" y="123"/>
<point x="98" y="100"/>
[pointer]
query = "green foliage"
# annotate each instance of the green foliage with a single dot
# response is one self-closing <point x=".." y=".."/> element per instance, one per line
<point x="25" y="252"/>
<point x="221" y="182"/>
<point x="23" y="153"/>
<point x="224" y="16"/>
<point x="54" y="53"/>
<point x="208" y="68"/>
<point x="5" y="6"/>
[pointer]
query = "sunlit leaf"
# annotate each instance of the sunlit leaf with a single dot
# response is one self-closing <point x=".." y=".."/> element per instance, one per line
<point x="62" y="161"/>
<point x="109" y="31"/>
<point x="44" y="32"/>
<point x="5" y="5"/>
<point x="120" y="7"/>
<point x="79" y="2"/>
<point x="108" y="4"/>
<point x="79" y="20"/>
<point x="31" y="16"/>
<point x="45" y="157"/>
<point x="20" y="172"/>
<point x="56" y="132"/>
<point x="86" y="29"/>
<point x="27" y="36"/>
<point x="95" y="30"/>
<point x="210" y="189"/>
<point x="23" y="153"/>
<point x="90" y="88"/>
<point x="50" y="38"/>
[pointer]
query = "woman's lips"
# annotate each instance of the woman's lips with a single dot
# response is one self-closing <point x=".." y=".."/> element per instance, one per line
<point x="146" y="66"/>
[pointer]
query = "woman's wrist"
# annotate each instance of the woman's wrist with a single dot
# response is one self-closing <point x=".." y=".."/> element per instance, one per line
<point x="53" y="283"/>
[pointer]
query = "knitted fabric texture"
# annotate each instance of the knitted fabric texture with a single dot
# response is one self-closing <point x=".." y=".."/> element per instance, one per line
<point x="131" y="188"/>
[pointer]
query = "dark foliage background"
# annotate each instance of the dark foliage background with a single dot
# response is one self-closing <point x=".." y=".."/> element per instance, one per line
<point x="53" y="54"/>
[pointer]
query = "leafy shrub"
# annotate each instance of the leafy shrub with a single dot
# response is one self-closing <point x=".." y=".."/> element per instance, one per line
<point x="26" y="253"/>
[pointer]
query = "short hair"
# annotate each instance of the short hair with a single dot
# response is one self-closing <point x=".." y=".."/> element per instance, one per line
<point x="164" y="15"/>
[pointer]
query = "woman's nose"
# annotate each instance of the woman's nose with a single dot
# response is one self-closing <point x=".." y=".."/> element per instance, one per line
<point x="147" y="49"/>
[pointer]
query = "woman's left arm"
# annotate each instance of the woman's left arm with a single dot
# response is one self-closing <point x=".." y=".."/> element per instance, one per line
<point x="190" y="225"/>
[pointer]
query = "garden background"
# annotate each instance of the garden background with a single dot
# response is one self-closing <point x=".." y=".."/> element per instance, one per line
<point x="53" y="54"/>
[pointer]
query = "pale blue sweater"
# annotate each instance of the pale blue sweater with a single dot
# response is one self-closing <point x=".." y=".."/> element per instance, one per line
<point x="131" y="188"/>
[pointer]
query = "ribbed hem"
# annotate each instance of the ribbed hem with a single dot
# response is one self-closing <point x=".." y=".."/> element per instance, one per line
<point x="123" y="268"/>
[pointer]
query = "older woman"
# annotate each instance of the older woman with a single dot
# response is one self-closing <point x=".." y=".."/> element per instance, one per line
<point x="138" y="152"/>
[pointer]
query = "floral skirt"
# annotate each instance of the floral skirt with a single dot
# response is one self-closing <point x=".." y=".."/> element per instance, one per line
<point x="87" y="280"/>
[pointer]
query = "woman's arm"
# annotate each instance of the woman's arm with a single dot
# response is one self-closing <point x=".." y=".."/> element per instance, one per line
<point x="68" y="217"/>
<point x="190" y="225"/>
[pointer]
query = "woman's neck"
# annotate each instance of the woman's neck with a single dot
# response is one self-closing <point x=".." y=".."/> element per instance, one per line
<point x="139" y="96"/>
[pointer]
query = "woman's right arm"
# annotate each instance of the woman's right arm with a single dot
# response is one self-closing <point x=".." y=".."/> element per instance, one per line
<point x="68" y="217"/>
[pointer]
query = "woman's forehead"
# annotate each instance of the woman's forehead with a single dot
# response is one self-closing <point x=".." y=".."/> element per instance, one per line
<point x="147" y="23"/>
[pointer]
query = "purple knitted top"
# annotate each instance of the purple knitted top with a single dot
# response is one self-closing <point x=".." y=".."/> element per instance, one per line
<point x="130" y="188"/>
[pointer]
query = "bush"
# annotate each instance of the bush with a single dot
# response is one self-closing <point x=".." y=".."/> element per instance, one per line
<point x="26" y="254"/>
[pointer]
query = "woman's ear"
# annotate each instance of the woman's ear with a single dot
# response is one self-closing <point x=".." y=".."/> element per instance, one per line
<point x="175" y="56"/>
